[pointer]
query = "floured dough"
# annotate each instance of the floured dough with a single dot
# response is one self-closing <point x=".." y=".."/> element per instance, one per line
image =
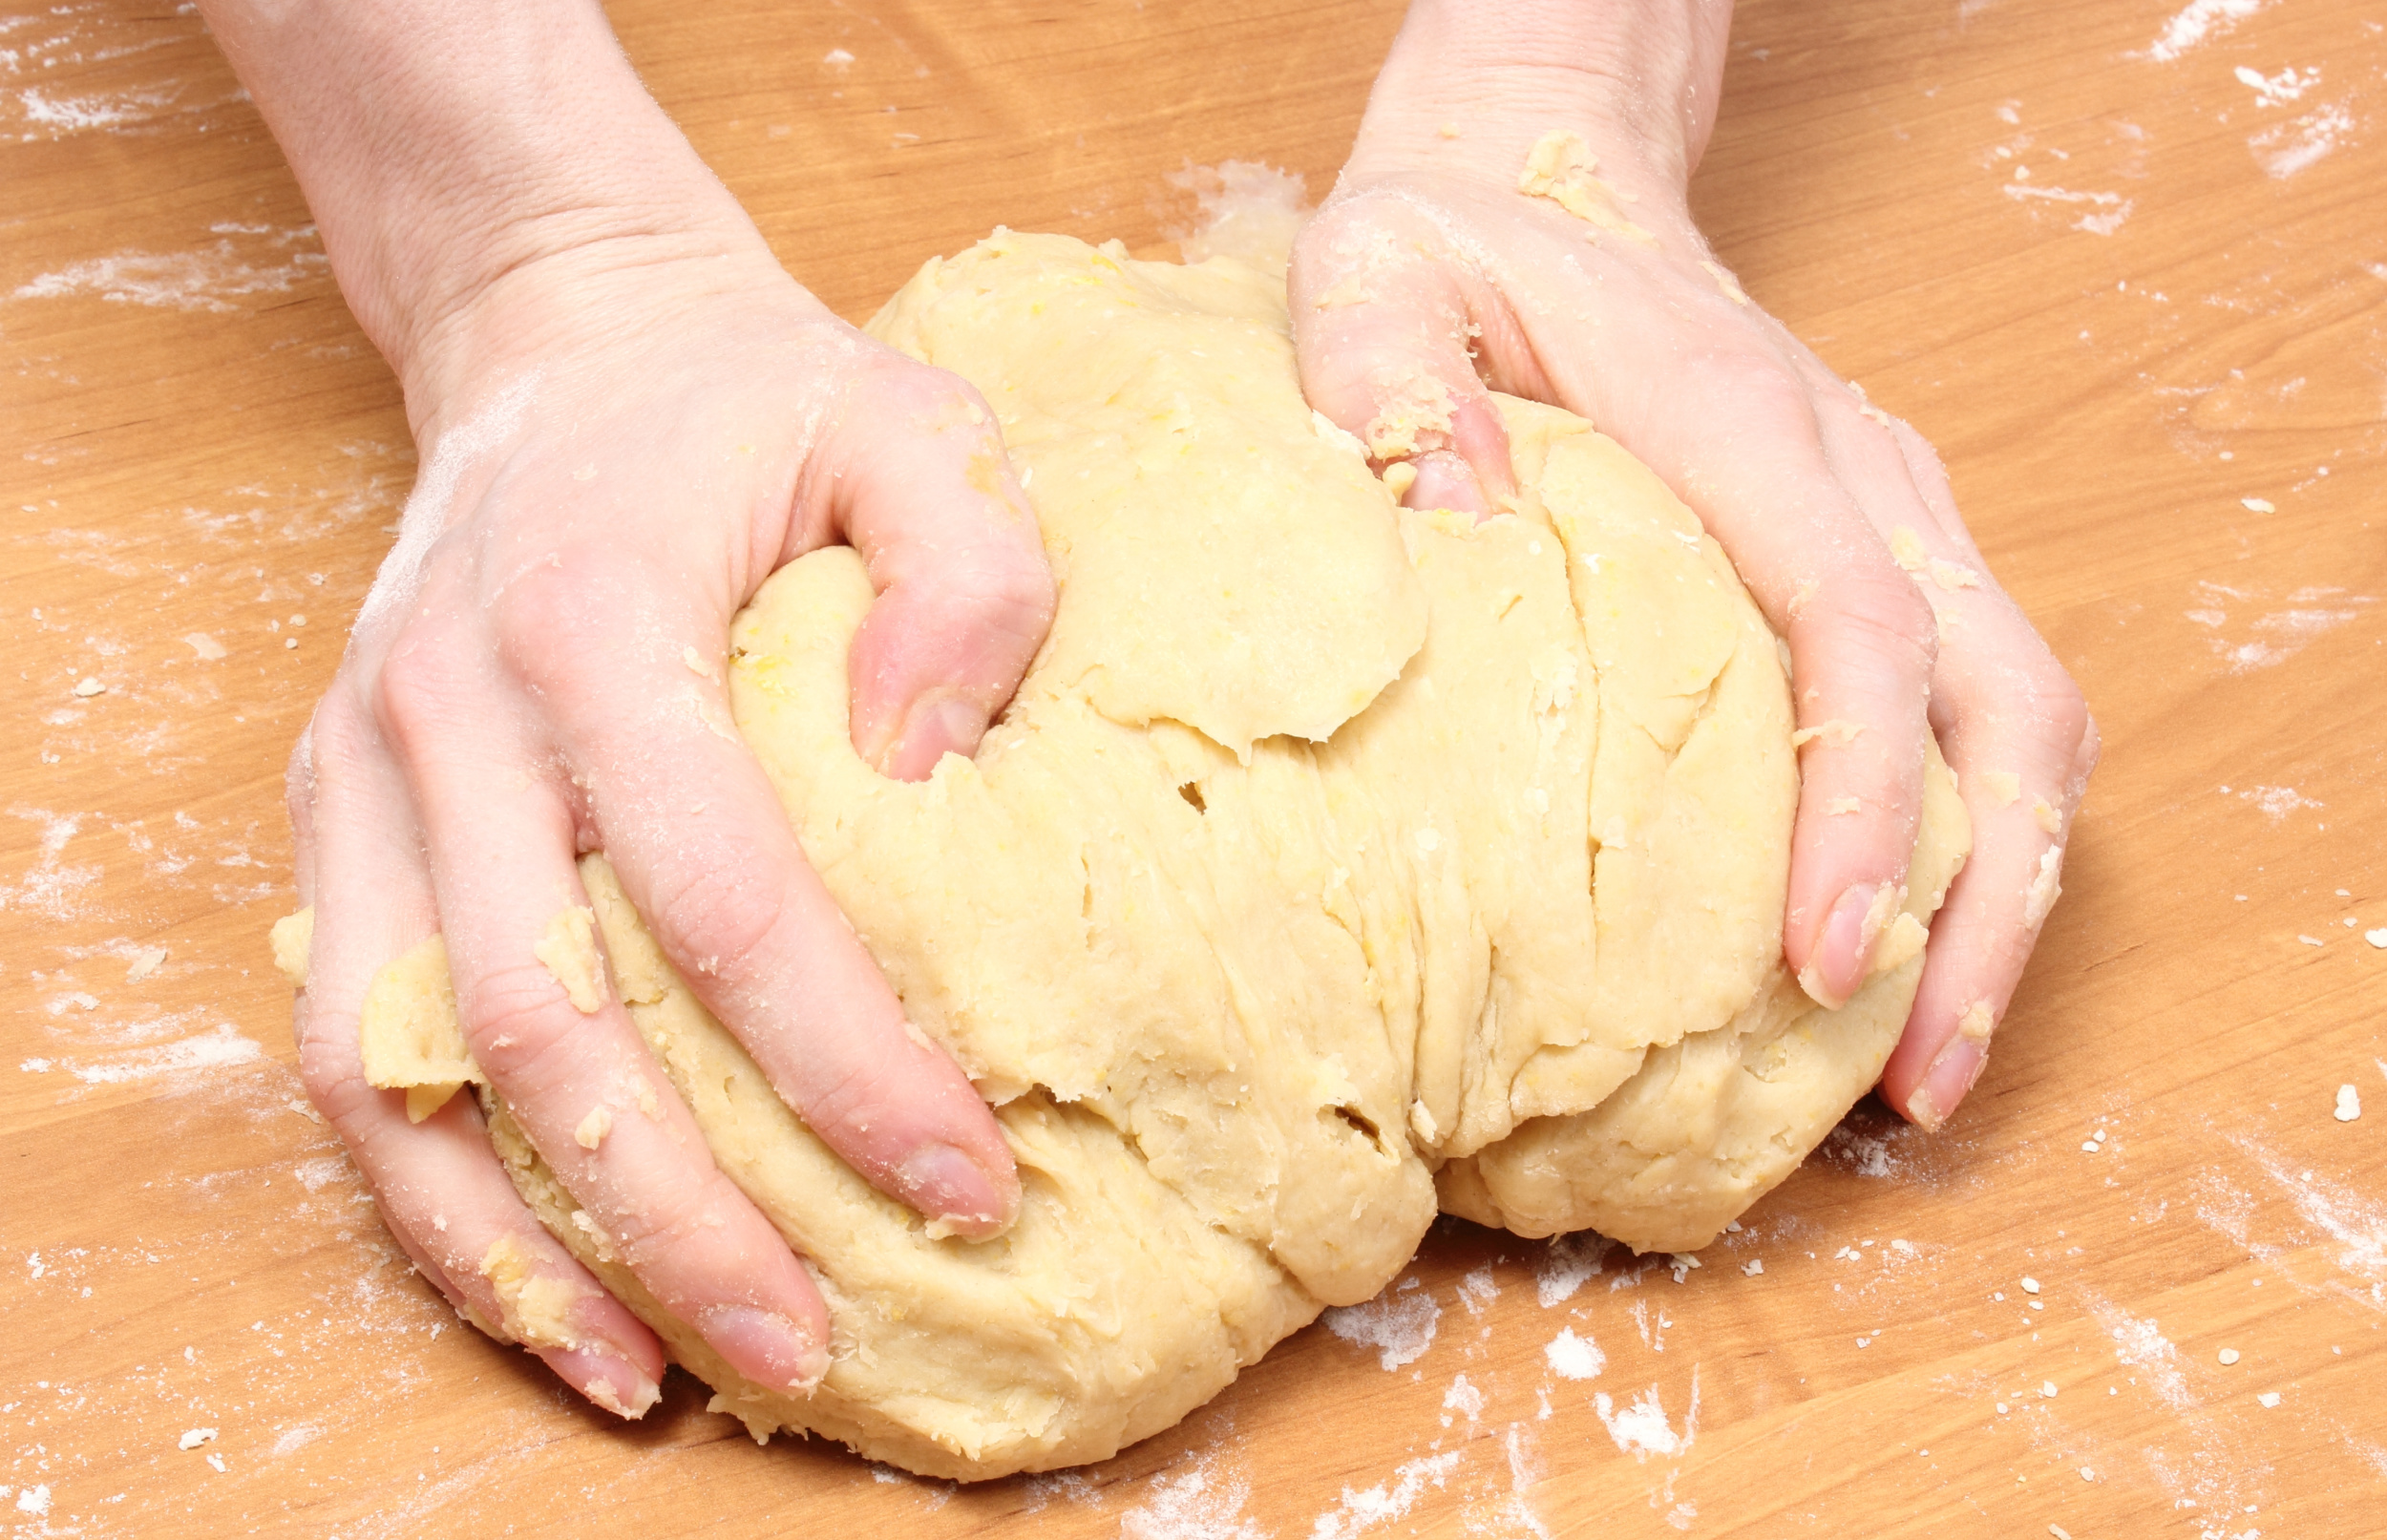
<point x="1335" y="863"/>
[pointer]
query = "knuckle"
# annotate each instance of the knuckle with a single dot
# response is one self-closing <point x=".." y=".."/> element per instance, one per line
<point x="517" y="1017"/>
<point x="1877" y="613"/>
<point x="721" y="915"/>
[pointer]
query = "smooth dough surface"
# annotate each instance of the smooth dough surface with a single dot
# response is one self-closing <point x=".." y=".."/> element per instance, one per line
<point x="1336" y="863"/>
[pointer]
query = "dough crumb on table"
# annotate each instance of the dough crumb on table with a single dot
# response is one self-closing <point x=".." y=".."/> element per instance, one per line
<point x="1337" y="864"/>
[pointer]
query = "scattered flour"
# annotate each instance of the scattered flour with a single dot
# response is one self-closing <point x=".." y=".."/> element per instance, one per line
<point x="1478" y="1289"/>
<point x="1465" y="1399"/>
<point x="2140" y="1344"/>
<point x="207" y="278"/>
<point x="220" y="1049"/>
<point x="1641" y="1429"/>
<point x="1575" y="1358"/>
<point x="1570" y="1262"/>
<point x="1398" y="1323"/>
<point x="1197" y="1505"/>
<point x="1358" y="1512"/>
<point x="2276" y="635"/>
<point x="2285" y="149"/>
<point x="2111" y="208"/>
<point x="2199" y="20"/>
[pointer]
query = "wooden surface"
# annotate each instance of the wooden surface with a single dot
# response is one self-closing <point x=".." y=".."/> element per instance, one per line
<point x="2157" y="368"/>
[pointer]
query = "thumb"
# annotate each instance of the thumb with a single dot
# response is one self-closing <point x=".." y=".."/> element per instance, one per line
<point x="1382" y="334"/>
<point x="919" y="486"/>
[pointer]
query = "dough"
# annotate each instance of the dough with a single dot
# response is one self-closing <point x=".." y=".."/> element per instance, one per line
<point x="1335" y="863"/>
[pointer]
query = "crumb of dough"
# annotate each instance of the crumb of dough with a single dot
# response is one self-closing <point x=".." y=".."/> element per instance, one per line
<point x="196" y="1437"/>
<point x="293" y="939"/>
<point x="537" y="1310"/>
<point x="1952" y="576"/>
<point x="408" y="1033"/>
<point x="88" y="686"/>
<point x="1976" y="1022"/>
<point x="1407" y="405"/>
<point x="2229" y="1356"/>
<point x="594" y="1128"/>
<point x="2257" y="505"/>
<point x="760" y="1425"/>
<point x="208" y="648"/>
<point x="2005" y="787"/>
<point x="1903" y="940"/>
<point x="422" y="1101"/>
<point x="1836" y="733"/>
<point x="1559" y="168"/>
<point x="1725" y="282"/>
<point x="1399" y="478"/>
<point x="2349" y="1103"/>
<point x="598" y="1241"/>
<point x="646" y="1103"/>
<point x="2045" y="888"/>
<point x="1839" y="804"/>
<point x="1801" y="598"/>
<point x="697" y="665"/>
<point x="2049" y="819"/>
<point x="1448" y="131"/>
<point x="1905" y="548"/>
<point x="146" y="961"/>
<point x="569" y="951"/>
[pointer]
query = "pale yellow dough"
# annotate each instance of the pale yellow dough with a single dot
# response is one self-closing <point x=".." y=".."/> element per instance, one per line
<point x="1335" y="862"/>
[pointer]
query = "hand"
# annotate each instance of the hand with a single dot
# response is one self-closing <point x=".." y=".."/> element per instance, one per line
<point x="1429" y="275"/>
<point x="539" y="671"/>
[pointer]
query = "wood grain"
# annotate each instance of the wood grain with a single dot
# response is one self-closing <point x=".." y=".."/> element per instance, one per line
<point x="2181" y="306"/>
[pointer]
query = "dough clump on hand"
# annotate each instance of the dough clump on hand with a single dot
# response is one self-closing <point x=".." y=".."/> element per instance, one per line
<point x="1335" y="864"/>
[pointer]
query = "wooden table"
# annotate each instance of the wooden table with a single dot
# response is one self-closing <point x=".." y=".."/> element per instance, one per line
<point x="2155" y="364"/>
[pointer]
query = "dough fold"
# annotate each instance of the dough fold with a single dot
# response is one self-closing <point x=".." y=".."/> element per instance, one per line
<point x="1335" y="863"/>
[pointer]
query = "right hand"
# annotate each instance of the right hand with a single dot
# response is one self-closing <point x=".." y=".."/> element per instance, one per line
<point x="617" y="454"/>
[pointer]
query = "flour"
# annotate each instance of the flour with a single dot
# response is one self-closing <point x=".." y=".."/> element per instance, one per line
<point x="1398" y="1323"/>
<point x="2286" y="149"/>
<point x="1359" y="1511"/>
<point x="2140" y="1344"/>
<point x="1573" y="1357"/>
<point x="1197" y="1505"/>
<point x="2111" y="208"/>
<point x="1641" y="1428"/>
<point x="2199" y="20"/>
<point x="207" y="278"/>
<point x="1570" y="1262"/>
<point x="2276" y="635"/>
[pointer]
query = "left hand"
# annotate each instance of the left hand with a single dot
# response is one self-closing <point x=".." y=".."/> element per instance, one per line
<point x="1429" y="278"/>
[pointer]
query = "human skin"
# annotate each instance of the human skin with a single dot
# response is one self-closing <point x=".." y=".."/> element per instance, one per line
<point x="1428" y="262"/>
<point x="629" y="416"/>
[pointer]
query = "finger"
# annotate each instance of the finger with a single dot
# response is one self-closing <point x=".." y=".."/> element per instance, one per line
<point x="703" y="847"/>
<point x="1750" y="459"/>
<point x="2021" y="742"/>
<point x="1384" y="339"/>
<point x="575" y="1073"/>
<point x="440" y="1187"/>
<point x="915" y="478"/>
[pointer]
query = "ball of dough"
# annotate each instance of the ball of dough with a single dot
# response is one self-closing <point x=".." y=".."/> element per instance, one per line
<point x="1336" y="863"/>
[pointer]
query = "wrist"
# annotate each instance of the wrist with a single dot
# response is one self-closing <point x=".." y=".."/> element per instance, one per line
<point x="1476" y="82"/>
<point x="471" y="167"/>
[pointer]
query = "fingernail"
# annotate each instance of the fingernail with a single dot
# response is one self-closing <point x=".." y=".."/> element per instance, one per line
<point x="1957" y="1069"/>
<point x="615" y="1384"/>
<point x="765" y="1346"/>
<point x="958" y="1195"/>
<point x="936" y="726"/>
<point x="1444" y="481"/>
<point x="1836" y="967"/>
